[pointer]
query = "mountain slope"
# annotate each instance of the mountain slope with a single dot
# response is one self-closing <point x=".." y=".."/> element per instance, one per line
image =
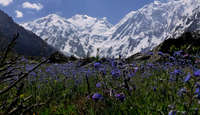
<point x="90" y="25"/>
<point x="184" y="47"/>
<point x="75" y="36"/>
<point x="138" y="31"/>
<point x="149" y="26"/>
<point x="57" y="32"/>
<point x="28" y="43"/>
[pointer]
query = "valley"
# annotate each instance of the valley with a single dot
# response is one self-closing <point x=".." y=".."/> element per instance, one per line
<point x="147" y="64"/>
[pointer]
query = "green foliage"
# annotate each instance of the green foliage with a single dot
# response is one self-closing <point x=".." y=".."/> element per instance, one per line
<point x="151" y="90"/>
<point x="152" y="94"/>
<point x="187" y="42"/>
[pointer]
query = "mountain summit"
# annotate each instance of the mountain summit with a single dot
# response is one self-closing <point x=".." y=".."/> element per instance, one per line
<point x="138" y="31"/>
<point x="90" y="25"/>
<point x="76" y="36"/>
<point x="146" y="28"/>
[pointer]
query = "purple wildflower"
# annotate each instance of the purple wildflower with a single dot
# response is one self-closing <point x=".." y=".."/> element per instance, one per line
<point x="154" y="89"/>
<point x="131" y="74"/>
<point x="97" y="96"/>
<point x="97" y="65"/>
<point x="197" y="90"/>
<point x="150" y="53"/>
<point x="136" y="69"/>
<point x="115" y="73"/>
<point x="197" y="73"/>
<point x="171" y="58"/>
<point x="114" y="63"/>
<point x="176" y="72"/>
<point x="29" y="67"/>
<point x="181" y="92"/>
<point x="33" y="74"/>
<point x="120" y="96"/>
<point x="187" y="78"/>
<point x="98" y="85"/>
<point x="48" y="70"/>
<point x="23" y="59"/>
<point x="160" y="53"/>
<point x="186" y="55"/>
<point x="172" y="112"/>
<point x="178" y="53"/>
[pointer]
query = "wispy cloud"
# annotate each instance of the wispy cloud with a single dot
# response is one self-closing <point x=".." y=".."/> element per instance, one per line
<point x="5" y="2"/>
<point x="36" y="6"/>
<point x="19" y="14"/>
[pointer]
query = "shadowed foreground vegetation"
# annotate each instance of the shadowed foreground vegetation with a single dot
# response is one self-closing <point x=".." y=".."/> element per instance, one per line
<point x="169" y="85"/>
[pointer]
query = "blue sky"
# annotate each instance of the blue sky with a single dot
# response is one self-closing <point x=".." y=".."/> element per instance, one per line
<point x="28" y="10"/>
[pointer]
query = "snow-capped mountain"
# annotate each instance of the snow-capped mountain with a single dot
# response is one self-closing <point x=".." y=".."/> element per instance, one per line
<point x="90" y="25"/>
<point x="91" y="32"/>
<point x="138" y="31"/>
<point x="147" y="27"/>
<point x="71" y="36"/>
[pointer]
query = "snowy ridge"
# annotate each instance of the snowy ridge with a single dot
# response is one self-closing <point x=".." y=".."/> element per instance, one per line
<point x="146" y="28"/>
<point x="76" y="36"/>
<point x="90" y="25"/>
<point x="138" y="31"/>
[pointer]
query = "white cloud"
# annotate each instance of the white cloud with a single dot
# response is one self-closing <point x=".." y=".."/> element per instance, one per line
<point x="5" y="2"/>
<point x="36" y="6"/>
<point x="19" y="14"/>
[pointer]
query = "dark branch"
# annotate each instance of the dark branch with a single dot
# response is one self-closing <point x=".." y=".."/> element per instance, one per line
<point x="21" y="78"/>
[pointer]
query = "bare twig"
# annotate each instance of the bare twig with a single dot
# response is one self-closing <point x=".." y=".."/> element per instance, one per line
<point x="88" y="84"/>
<point x="31" y="107"/>
<point x="14" y="103"/>
<point x="6" y="68"/>
<point x="8" y="74"/>
<point x="9" y="48"/>
<point x="21" y="78"/>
